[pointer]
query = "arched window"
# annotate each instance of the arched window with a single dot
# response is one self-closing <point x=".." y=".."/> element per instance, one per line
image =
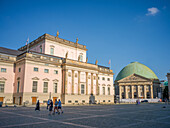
<point x="108" y="90"/>
<point x="103" y="90"/>
<point x="52" y="51"/>
<point x="40" y="48"/>
<point x="81" y="56"/>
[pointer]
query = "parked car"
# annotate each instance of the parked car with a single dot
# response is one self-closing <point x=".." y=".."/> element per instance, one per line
<point x="144" y="101"/>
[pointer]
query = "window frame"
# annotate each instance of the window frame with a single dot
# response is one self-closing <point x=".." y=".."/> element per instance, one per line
<point x="3" y="86"/>
<point x="3" y="70"/>
<point x="33" y="86"/>
<point x="46" y="70"/>
<point x="45" y="89"/>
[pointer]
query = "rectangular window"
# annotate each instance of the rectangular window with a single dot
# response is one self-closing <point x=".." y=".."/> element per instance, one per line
<point x="35" y="69"/>
<point x="55" y="87"/>
<point x="52" y="51"/>
<point x="82" y="89"/>
<point x="55" y="71"/>
<point x="69" y="101"/>
<point x="108" y="79"/>
<point x="2" y="85"/>
<point x="34" y="87"/>
<point x="45" y="90"/>
<point x="46" y="71"/>
<point x="19" y="70"/>
<point x="103" y="78"/>
<point x="3" y="69"/>
<point x="18" y="84"/>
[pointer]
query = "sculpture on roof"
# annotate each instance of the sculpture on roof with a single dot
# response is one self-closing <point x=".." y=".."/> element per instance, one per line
<point x="96" y="62"/>
<point x="77" y="41"/>
<point x="57" y="34"/>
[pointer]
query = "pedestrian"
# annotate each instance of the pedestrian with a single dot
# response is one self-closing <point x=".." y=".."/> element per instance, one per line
<point x="59" y="106"/>
<point x="56" y="107"/>
<point x="136" y="102"/>
<point x="37" y="106"/>
<point x="50" y="107"/>
<point x="48" y="103"/>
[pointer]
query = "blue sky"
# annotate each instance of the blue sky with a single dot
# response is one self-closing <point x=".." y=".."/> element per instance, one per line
<point x="121" y="30"/>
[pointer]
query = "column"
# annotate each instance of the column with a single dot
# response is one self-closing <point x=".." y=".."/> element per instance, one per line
<point x="151" y="91"/>
<point x="86" y="83"/>
<point x="138" y="90"/>
<point x="120" y="92"/>
<point x="78" y="82"/>
<point x="73" y="82"/>
<point x="132" y="90"/>
<point x="65" y="81"/>
<point x="91" y="83"/>
<point x="126" y="92"/>
<point x="97" y="84"/>
<point x="145" y="92"/>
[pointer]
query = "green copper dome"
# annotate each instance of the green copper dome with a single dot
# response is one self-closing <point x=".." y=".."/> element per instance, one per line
<point x="137" y="68"/>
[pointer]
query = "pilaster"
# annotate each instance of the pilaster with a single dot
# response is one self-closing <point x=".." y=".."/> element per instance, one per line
<point x="79" y="82"/>
<point x="86" y="83"/>
<point x="73" y="82"/>
<point x="91" y="83"/>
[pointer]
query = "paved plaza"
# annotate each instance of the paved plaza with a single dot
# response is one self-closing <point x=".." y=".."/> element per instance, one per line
<point x="99" y="116"/>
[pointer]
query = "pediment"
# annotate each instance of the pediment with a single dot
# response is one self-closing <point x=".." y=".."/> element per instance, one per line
<point x="2" y="78"/>
<point x="35" y="78"/>
<point x="46" y="79"/>
<point x="55" y="80"/>
<point x="134" y="78"/>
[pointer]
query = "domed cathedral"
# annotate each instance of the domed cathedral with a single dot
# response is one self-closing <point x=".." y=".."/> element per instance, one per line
<point x="137" y="81"/>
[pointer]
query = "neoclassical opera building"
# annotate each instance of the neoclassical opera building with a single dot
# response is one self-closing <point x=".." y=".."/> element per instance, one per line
<point x="137" y="81"/>
<point x="51" y="67"/>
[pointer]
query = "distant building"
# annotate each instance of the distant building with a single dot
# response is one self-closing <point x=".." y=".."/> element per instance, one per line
<point x="168" y="76"/>
<point x="51" y="67"/>
<point x="137" y="81"/>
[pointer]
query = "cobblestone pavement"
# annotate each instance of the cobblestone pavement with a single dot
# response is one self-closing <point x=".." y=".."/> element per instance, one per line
<point x="99" y="116"/>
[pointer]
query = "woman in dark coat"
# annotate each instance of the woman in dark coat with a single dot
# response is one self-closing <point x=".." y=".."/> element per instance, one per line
<point x="37" y="106"/>
<point x="51" y="107"/>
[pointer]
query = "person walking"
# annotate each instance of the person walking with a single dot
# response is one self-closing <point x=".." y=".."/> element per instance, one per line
<point x="50" y="107"/>
<point x="56" y="107"/>
<point x="48" y="103"/>
<point x="59" y="107"/>
<point x="37" y="106"/>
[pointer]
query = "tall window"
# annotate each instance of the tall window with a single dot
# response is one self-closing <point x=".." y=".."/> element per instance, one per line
<point x="3" y="69"/>
<point x="82" y="89"/>
<point x="45" y="90"/>
<point x="18" y="85"/>
<point x="52" y="51"/>
<point x="103" y="78"/>
<point x="19" y="70"/>
<point x="46" y="71"/>
<point x="41" y="49"/>
<point x="55" y="87"/>
<point x="34" y="86"/>
<point x="2" y="85"/>
<point x="108" y="79"/>
<point x="108" y="90"/>
<point x="103" y="90"/>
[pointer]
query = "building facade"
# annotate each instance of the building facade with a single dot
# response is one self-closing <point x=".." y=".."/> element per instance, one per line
<point x="50" y="68"/>
<point x="137" y="81"/>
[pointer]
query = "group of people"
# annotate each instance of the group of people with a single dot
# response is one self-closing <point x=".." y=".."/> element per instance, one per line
<point x="57" y="106"/>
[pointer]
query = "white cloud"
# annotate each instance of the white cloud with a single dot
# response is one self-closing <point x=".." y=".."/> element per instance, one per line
<point x="152" y="11"/>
